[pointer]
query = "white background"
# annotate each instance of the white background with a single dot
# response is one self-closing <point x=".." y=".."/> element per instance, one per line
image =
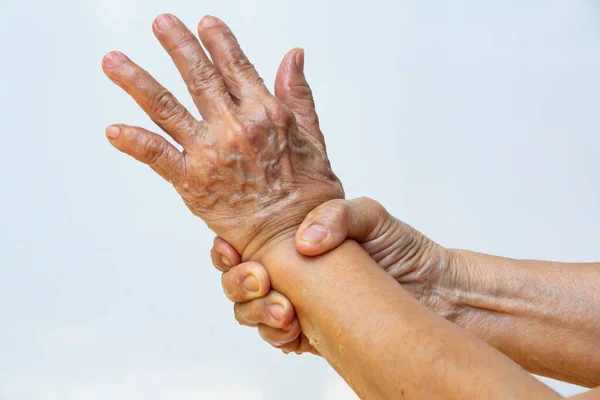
<point x="477" y="122"/>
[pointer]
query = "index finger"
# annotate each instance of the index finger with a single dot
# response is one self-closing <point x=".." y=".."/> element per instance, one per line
<point x="160" y="104"/>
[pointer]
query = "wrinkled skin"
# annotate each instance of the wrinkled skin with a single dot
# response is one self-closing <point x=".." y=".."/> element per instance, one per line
<point x="424" y="268"/>
<point x="247" y="169"/>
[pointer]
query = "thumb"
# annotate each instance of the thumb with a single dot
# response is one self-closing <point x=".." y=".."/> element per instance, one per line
<point x="294" y="91"/>
<point x="331" y="223"/>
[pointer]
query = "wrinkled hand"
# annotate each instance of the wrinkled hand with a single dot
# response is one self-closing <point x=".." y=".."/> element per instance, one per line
<point x="247" y="169"/>
<point x="422" y="267"/>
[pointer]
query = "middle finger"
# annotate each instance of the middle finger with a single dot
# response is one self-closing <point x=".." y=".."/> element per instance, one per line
<point x="200" y="75"/>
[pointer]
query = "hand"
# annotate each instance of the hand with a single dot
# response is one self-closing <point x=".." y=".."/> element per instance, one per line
<point x="423" y="267"/>
<point x="247" y="169"/>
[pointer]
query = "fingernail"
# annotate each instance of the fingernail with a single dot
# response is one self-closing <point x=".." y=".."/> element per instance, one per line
<point x="299" y="60"/>
<point x="225" y="260"/>
<point x="315" y="234"/>
<point x="276" y="311"/>
<point x="114" y="59"/>
<point x="165" y="21"/>
<point x="113" y="132"/>
<point x="251" y="284"/>
<point x="209" y="21"/>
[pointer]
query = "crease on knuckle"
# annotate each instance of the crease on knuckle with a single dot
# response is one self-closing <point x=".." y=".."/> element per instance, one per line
<point x="164" y="107"/>
<point x="203" y="77"/>
<point x="238" y="64"/>
<point x="301" y="90"/>
<point x="155" y="150"/>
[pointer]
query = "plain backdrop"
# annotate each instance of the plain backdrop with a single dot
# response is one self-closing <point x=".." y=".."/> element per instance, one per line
<point x="475" y="121"/>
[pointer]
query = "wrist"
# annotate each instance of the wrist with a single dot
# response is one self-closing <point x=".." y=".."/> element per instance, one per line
<point x="478" y="283"/>
<point x="452" y="285"/>
<point x="261" y="247"/>
<point x="281" y="225"/>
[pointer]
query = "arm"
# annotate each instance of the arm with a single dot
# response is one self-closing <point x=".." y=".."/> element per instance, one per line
<point x="543" y="315"/>
<point x="381" y="340"/>
<point x="591" y="395"/>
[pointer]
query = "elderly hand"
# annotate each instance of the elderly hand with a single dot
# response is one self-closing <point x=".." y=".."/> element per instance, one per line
<point x="422" y="267"/>
<point x="247" y="169"/>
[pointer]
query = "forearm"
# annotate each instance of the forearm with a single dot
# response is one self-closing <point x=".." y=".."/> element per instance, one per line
<point x="382" y="341"/>
<point x="543" y="315"/>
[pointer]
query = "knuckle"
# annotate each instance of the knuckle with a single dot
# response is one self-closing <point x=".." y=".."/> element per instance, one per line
<point x="241" y="71"/>
<point x="276" y="112"/>
<point x="244" y="66"/>
<point x="285" y="343"/>
<point x="291" y="331"/>
<point x="307" y="116"/>
<point x="249" y="131"/>
<point x="201" y="77"/>
<point x="282" y="114"/>
<point x="333" y="211"/>
<point x="302" y="91"/>
<point x="237" y="63"/>
<point x="270" y="336"/>
<point x="154" y="149"/>
<point x="164" y="106"/>
<point x="369" y="203"/>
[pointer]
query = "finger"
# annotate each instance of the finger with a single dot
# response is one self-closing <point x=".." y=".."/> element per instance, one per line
<point x="294" y="91"/>
<point x="245" y="282"/>
<point x="160" y="105"/>
<point x="219" y="261"/>
<point x="274" y="310"/>
<point x="279" y="337"/>
<point x="200" y="75"/>
<point x="223" y="255"/>
<point x="299" y="345"/>
<point x="239" y="74"/>
<point x="327" y="226"/>
<point x="149" y="148"/>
